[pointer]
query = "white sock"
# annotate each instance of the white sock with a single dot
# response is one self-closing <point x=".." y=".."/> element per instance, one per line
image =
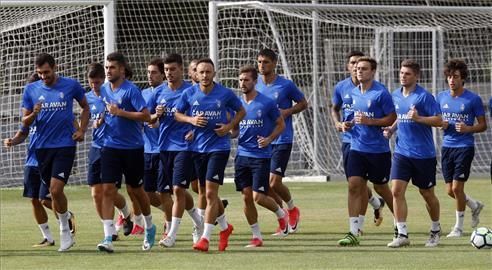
<point x="375" y="203"/>
<point x="435" y="226"/>
<point x="361" y="222"/>
<point x="207" y="230"/>
<point x="354" y="225"/>
<point x="45" y="231"/>
<point x="148" y="221"/>
<point x="290" y="204"/>
<point x="195" y="216"/>
<point x="255" y="228"/>
<point x="108" y="228"/>
<point x="280" y="213"/>
<point x="173" y="231"/>
<point x="460" y="218"/>
<point x="470" y="202"/>
<point x="168" y="225"/>
<point x="402" y="228"/>
<point x="125" y="212"/>
<point x="222" y="222"/>
<point x="201" y="212"/>
<point x="63" y="218"/>
<point x="139" y="220"/>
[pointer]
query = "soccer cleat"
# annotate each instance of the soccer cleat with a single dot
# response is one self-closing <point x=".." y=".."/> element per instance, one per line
<point x="137" y="229"/>
<point x="283" y="225"/>
<point x="127" y="226"/>
<point x="119" y="223"/>
<point x="106" y="245"/>
<point x="476" y="214"/>
<point x="225" y="202"/>
<point x="71" y="223"/>
<point x="66" y="241"/>
<point x="167" y="242"/>
<point x="149" y="238"/>
<point x="434" y="238"/>
<point x="201" y="245"/>
<point x="400" y="241"/>
<point x="255" y="242"/>
<point x="395" y="233"/>
<point x="224" y="237"/>
<point x="197" y="233"/>
<point x="294" y="216"/>
<point x="44" y="243"/>
<point x="349" y="240"/>
<point x="115" y="237"/>
<point x="378" y="217"/>
<point x="456" y="232"/>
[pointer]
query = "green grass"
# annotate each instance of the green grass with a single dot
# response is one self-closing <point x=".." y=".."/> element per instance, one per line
<point x="324" y="221"/>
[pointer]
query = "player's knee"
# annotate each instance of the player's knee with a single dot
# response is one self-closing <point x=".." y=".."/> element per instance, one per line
<point x="257" y="197"/>
<point x="36" y="202"/>
<point x="457" y="190"/>
<point x="248" y="198"/>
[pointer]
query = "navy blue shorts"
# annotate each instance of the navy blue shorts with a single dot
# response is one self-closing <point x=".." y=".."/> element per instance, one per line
<point x="421" y="171"/>
<point x="456" y="163"/>
<point x="55" y="163"/>
<point x="345" y="153"/>
<point x="118" y="162"/>
<point x="176" y="170"/>
<point x="33" y="186"/>
<point x="252" y="172"/>
<point x="210" y="166"/>
<point x="374" y="167"/>
<point x="280" y="158"/>
<point x="94" y="170"/>
<point x="151" y="171"/>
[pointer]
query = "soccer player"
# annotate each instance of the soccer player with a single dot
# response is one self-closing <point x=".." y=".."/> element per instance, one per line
<point x="95" y="77"/>
<point x="175" y="157"/>
<point x="49" y="102"/>
<point x="284" y="92"/>
<point x="261" y="125"/>
<point x="342" y="100"/>
<point x="122" y="152"/>
<point x="460" y="107"/>
<point x="209" y="102"/>
<point x="415" y="155"/>
<point x="369" y="157"/>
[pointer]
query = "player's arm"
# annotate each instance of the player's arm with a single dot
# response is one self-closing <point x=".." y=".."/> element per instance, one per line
<point x="385" y="121"/>
<point x="433" y="121"/>
<point x="141" y="116"/>
<point x="335" y="115"/>
<point x="389" y="131"/>
<point x="279" y="128"/>
<point x="28" y="116"/>
<point x="223" y="129"/>
<point x="235" y="131"/>
<point x="479" y="126"/>
<point x="84" y="120"/>
<point x="297" y="108"/>
<point x="19" y="137"/>
<point x="198" y="120"/>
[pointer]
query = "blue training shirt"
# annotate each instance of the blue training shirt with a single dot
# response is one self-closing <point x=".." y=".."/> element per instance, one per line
<point x="54" y="123"/>
<point x="464" y="108"/>
<point x="414" y="140"/>
<point x="260" y="120"/>
<point x="31" y="159"/>
<point x="283" y="92"/>
<point x="342" y="98"/>
<point x="376" y="102"/>
<point x="123" y="133"/>
<point x="150" y="135"/>
<point x="97" y="109"/>
<point x="212" y="106"/>
<point x="171" y="132"/>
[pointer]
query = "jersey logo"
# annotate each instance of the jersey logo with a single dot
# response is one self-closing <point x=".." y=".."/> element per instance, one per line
<point x="397" y="107"/>
<point x="261" y="188"/>
<point x="368" y="103"/>
<point x="216" y="177"/>
<point x="275" y="95"/>
<point x="120" y="101"/>
<point x="163" y="101"/>
<point x="62" y="95"/>
<point x="278" y="169"/>
<point x="41" y="98"/>
<point x="347" y="96"/>
<point x="196" y="103"/>
<point x="167" y="187"/>
<point x="258" y="113"/>
<point x="183" y="182"/>
<point x="462" y="107"/>
<point x="62" y="174"/>
<point x="446" y="106"/>
<point x="93" y="107"/>
<point x="218" y="103"/>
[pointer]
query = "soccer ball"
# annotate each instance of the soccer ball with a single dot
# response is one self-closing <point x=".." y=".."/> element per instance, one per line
<point x="481" y="238"/>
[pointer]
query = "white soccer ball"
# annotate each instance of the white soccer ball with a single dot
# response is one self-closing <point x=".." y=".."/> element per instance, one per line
<point x="481" y="238"/>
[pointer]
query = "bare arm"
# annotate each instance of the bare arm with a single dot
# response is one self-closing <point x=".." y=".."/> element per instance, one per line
<point x="279" y="128"/>
<point x="84" y="121"/>
<point x="297" y="108"/>
<point x="225" y="128"/>
<point x="480" y="126"/>
<point x="142" y="116"/>
<point x="382" y="122"/>
<point x="18" y="138"/>
<point x="29" y="116"/>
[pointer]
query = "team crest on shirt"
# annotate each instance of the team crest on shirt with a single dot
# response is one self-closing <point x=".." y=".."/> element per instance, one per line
<point x="275" y="95"/>
<point x="62" y="95"/>
<point x="258" y="113"/>
<point x="462" y="107"/>
<point x="397" y="107"/>
<point x="368" y="103"/>
<point x="120" y="101"/>
<point x="218" y="103"/>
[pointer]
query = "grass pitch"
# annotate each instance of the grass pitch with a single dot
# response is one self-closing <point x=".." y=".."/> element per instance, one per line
<point x="323" y="221"/>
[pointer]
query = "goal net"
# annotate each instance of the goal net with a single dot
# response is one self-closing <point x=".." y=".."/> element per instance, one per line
<point x="312" y="41"/>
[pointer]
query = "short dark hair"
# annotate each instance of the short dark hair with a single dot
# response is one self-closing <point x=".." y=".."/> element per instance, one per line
<point x="411" y="64"/>
<point x="268" y="53"/>
<point x="249" y="69"/>
<point x="372" y="61"/>
<point x="157" y="61"/>
<point x="173" y="58"/>
<point x="121" y="59"/>
<point x="44" y="58"/>
<point x="456" y="65"/>
<point x="33" y="78"/>
<point x="205" y="60"/>
<point x="95" y="70"/>
<point x="354" y="53"/>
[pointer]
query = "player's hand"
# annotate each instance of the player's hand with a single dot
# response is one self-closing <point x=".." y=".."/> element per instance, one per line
<point x="285" y="113"/>
<point x="190" y="135"/>
<point x="387" y="132"/>
<point x="79" y="135"/>
<point x="262" y="141"/>
<point x="461" y="127"/>
<point x="159" y="110"/>
<point x="113" y="109"/>
<point x="339" y="126"/>
<point x="222" y="129"/>
<point x="37" y="108"/>
<point x="199" y="120"/>
<point x="413" y="113"/>
<point x="154" y="125"/>
<point x="445" y="125"/>
<point x="7" y="142"/>
<point x="98" y="122"/>
<point x="360" y="118"/>
<point x="347" y="125"/>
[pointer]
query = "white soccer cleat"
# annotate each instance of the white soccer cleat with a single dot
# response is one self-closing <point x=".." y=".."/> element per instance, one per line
<point x="106" y="245"/>
<point x="167" y="242"/>
<point x="197" y="233"/>
<point x="399" y="241"/>
<point x="456" y="232"/>
<point x="476" y="214"/>
<point x="66" y="241"/>
<point x="434" y="238"/>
